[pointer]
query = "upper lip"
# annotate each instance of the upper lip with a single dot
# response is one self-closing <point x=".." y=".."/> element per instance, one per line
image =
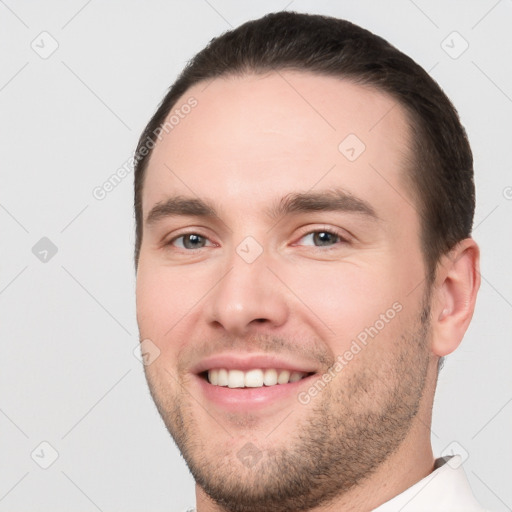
<point x="237" y="361"/>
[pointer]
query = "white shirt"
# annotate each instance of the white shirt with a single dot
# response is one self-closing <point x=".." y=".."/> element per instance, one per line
<point x="446" y="489"/>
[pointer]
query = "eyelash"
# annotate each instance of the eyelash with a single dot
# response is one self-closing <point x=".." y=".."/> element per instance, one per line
<point x="342" y="240"/>
<point x="183" y="235"/>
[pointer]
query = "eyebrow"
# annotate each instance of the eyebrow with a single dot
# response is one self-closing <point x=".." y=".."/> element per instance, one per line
<point x="180" y="206"/>
<point x="329" y="200"/>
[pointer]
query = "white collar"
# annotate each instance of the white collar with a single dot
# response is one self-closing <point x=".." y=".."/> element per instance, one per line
<point x="445" y="489"/>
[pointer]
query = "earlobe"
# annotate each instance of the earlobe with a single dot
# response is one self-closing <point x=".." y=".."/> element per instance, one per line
<point x="454" y="296"/>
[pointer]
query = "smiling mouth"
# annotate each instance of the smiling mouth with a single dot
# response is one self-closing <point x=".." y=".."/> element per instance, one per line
<point x="254" y="378"/>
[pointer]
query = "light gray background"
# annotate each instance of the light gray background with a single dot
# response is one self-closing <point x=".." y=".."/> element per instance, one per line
<point x="68" y="373"/>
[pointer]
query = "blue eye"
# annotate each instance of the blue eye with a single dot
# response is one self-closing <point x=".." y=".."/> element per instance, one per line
<point x="322" y="238"/>
<point x="190" y="241"/>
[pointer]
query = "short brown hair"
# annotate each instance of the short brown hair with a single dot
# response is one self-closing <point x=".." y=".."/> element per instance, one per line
<point x="442" y="170"/>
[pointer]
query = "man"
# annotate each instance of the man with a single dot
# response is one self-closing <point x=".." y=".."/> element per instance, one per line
<point x="304" y="200"/>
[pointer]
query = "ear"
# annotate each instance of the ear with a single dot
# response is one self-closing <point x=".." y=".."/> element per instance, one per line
<point x="454" y="296"/>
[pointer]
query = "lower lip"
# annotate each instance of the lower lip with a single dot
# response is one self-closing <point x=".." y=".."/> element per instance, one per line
<point x="247" y="399"/>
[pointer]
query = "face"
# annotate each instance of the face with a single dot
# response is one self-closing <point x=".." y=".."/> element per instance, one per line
<point x="281" y="243"/>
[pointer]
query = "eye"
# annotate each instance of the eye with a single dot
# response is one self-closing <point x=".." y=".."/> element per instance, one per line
<point x="190" y="241"/>
<point x="321" y="238"/>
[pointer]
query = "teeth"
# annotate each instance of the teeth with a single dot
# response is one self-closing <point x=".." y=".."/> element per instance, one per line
<point x="270" y="377"/>
<point x="295" y="376"/>
<point x="284" y="377"/>
<point x="222" y="379"/>
<point x="213" y="377"/>
<point x="236" y="379"/>
<point x="255" y="378"/>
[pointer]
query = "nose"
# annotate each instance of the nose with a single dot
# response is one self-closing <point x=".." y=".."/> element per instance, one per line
<point x="248" y="295"/>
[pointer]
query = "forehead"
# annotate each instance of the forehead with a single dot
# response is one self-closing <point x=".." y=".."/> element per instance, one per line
<point x="278" y="133"/>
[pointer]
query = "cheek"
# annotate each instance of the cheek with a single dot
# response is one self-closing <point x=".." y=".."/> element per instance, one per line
<point x="167" y="304"/>
<point x="152" y="298"/>
<point x="347" y="299"/>
<point x="160" y="301"/>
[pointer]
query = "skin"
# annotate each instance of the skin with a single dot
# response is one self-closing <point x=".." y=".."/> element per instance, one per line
<point x="250" y="142"/>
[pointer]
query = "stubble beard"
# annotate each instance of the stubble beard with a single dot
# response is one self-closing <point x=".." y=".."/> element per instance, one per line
<point x="336" y="446"/>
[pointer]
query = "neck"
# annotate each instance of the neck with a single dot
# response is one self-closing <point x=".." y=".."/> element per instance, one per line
<point x="407" y="466"/>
